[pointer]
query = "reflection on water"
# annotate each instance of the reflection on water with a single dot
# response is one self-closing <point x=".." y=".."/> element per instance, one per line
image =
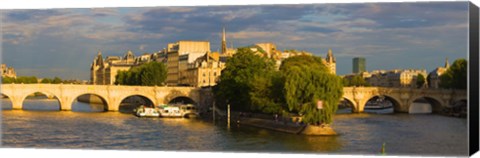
<point x="359" y="133"/>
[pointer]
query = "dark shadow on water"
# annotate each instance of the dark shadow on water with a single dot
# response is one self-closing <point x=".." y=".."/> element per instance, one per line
<point x="6" y="104"/>
<point x="88" y="107"/>
<point x="40" y="104"/>
<point x="89" y="103"/>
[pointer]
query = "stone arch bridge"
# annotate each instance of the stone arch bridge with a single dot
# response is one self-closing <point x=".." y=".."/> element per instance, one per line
<point x="402" y="98"/>
<point x="111" y="94"/>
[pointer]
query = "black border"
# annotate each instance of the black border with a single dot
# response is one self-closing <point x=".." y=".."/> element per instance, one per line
<point x="473" y="80"/>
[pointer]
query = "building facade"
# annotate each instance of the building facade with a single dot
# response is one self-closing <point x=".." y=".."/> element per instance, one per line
<point x="391" y="78"/>
<point x="433" y="77"/>
<point x="190" y="63"/>
<point x="205" y="71"/>
<point x="359" y="65"/>
<point x="103" y="71"/>
<point x="8" y="71"/>
<point x="179" y="55"/>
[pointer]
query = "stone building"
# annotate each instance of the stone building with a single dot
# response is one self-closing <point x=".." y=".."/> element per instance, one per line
<point x="269" y="50"/>
<point x="391" y="78"/>
<point x="433" y="77"/>
<point x="179" y="55"/>
<point x="8" y="71"/>
<point x="103" y="71"/>
<point x="205" y="71"/>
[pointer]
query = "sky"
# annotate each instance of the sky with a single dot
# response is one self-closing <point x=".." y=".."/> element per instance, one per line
<point x="64" y="42"/>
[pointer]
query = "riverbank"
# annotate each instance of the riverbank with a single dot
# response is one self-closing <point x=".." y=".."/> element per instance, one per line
<point x="272" y="125"/>
<point x="281" y="124"/>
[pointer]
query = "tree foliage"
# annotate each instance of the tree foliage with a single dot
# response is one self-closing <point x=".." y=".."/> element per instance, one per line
<point x="56" y="80"/>
<point x="149" y="74"/>
<point x="456" y="75"/>
<point x="307" y="81"/>
<point x="20" y="79"/>
<point x="245" y="82"/>
<point x="250" y="83"/>
<point x="356" y="80"/>
<point x="420" y="80"/>
<point x="266" y="92"/>
<point x="7" y="80"/>
<point x="46" y="80"/>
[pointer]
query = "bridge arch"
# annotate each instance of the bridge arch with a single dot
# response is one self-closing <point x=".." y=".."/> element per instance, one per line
<point x="182" y="99"/>
<point x="90" y="98"/>
<point x="436" y="104"/>
<point x="129" y="102"/>
<point x="397" y="106"/>
<point x="27" y="96"/>
<point x="186" y="96"/>
<point x="346" y="103"/>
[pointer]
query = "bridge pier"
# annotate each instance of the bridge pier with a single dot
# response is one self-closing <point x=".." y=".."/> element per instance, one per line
<point x="113" y="104"/>
<point x="65" y="103"/>
<point x="16" y="103"/>
<point x="360" y="106"/>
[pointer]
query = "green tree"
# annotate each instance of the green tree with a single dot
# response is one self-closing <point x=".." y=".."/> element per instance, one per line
<point x="149" y="74"/>
<point x="120" y="77"/>
<point x="32" y="79"/>
<point x="245" y="82"/>
<point x="358" y="81"/>
<point x="420" y="80"/>
<point x="46" y="80"/>
<point x="456" y="75"/>
<point x="346" y="81"/>
<point x="7" y="80"/>
<point x="56" y="80"/>
<point x="153" y="74"/>
<point x="307" y="81"/>
<point x="266" y="93"/>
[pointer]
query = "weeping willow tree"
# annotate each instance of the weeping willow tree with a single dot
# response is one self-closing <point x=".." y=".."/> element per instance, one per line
<point x="308" y="81"/>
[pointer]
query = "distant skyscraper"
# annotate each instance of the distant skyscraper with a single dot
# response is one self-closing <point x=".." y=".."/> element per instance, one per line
<point x="359" y="65"/>
<point x="224" y="42"/>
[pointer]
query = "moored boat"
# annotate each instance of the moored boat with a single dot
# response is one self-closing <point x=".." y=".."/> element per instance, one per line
<point x="144" y="111"/>
<point x="178" y="110"/>
<point x="378" y="104"/>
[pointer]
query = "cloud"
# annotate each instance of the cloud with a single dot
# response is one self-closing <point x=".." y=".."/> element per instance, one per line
<point x="70" y="38"/>
<point x="102" y="12"/>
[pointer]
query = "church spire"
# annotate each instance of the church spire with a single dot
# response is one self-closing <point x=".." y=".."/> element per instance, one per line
<point x="224" y="42"/>
<point x="446" y="63"/>
<point x="99" y="59"/>
<point x="330" y="57"/>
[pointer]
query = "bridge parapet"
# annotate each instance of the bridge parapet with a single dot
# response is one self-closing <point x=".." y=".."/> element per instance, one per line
<point x="402" y="98"/>
<point x="112" y="94"/>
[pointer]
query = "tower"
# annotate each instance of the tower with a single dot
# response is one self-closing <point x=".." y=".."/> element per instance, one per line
<point x="359" y="65"/>
<point x="446" y="63"/>
<point x="224" y="42"/>
<point x="331" y="62"/>
<point x="96" y="74"/>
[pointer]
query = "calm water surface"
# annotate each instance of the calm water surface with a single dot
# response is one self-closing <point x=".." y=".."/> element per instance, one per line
<point x="87" y="128"/>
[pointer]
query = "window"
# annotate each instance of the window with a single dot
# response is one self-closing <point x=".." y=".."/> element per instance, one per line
<point x="215" y="74"/>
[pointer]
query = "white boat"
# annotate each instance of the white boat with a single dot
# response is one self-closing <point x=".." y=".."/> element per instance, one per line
<point x="189" y="111"/>
<point x="169" y="111"/>
<point x="144" y="111"/>
<point x="378" y="104"/>
<point x="178" y="110"/>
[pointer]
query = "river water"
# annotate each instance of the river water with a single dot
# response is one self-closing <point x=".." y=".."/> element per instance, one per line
<point x="39" y="126"/>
